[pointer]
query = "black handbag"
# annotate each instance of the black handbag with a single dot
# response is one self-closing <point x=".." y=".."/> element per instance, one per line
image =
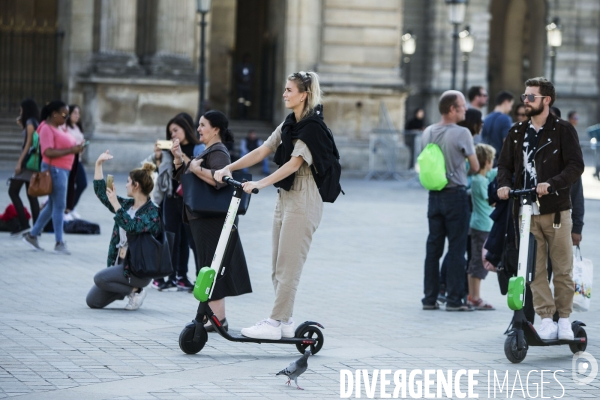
<point x="148" y="256"/>
<point x="206" y="201"/>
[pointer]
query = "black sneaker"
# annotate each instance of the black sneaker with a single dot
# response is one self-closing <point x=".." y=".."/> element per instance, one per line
<point x="168" y="286"/>
<point x="156" y="283"/>
<point x="184" y="284"/>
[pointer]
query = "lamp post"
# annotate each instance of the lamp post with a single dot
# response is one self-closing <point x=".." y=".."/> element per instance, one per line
<point x="554" y="36"/>
<point x="466" y="47"/>
<point x="203" y="7"/>
<point x="409" y="46"/>
<point x="456" y="16"/>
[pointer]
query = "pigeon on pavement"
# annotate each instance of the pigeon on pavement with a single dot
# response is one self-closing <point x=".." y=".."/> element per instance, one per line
<point x="296" y="368"/>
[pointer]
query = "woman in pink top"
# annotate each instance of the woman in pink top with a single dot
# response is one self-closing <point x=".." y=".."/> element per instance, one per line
<point x="58" y="150"/>
<point x="77" y="178"/>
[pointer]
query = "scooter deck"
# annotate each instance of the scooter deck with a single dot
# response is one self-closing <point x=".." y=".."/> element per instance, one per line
<point x="236" y="336"/>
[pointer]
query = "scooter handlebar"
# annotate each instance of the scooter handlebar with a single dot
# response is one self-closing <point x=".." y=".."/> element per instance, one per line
<point x="236" y="184"/>
<point x="521" y="192"/>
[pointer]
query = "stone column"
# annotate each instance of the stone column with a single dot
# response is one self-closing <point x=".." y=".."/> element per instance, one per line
<point x="116" y="52"/>
<point x="174" y="33"/>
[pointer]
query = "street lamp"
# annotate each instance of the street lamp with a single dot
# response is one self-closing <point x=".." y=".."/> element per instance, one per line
<point x="466" y="47"/>
<point x="456" y="16"/>
<point x="203" y="7"/>
<point x="409" y="46"/>
<point x="554" y="35"/>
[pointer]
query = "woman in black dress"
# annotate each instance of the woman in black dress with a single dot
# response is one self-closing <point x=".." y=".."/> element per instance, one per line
<point x="206" y="231"/>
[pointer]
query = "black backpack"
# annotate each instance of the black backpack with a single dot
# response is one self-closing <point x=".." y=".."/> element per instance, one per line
<point x="329" y="184"/>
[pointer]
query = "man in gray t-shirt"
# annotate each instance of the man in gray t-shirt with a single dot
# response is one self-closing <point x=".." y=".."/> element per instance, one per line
<point x="456" y="143"/>
<point x="448" y="209"/>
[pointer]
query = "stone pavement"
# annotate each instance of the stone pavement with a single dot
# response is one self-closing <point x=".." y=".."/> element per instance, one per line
<point x="362" y="281"/>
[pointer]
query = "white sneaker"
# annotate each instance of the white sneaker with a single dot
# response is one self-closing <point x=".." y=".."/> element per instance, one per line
<point x="75" y="214"/>
<point x="548" y="329"/>
<point x="263" y="330"/>
<point x="288" y="329"/>
<point x="135" y="300"/>
<point x="565" y="332"/>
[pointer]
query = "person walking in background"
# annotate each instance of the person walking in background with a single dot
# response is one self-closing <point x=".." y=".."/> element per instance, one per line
<point x="249" y="143"/>
<point x="497" y="123"/>
<point x="478" y="97"/>
<point x="520" y="113"/>
<point x="448" y="209"/>
<point x="480" y="224"/>
<point x="573" y="118"/>
<point x="412" y="129"/>
<point x="301" y="145"/>
<point x="213" y="130"/>
<point x="133" y="215"/>
<point x="77" y="178"/>
<point x="165" y="194"/>
<point x="28" y="120"/>
<point x="58" y="149"/>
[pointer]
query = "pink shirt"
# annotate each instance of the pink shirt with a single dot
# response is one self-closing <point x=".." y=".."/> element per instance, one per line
<point x="52" y="138"/>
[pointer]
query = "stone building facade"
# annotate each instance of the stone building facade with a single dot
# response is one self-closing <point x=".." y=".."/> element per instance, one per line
<point x="133" y="64"/>
<point x="510" y="47"/>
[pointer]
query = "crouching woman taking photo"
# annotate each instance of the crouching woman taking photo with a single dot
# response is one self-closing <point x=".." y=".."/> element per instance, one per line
<point x="133" y="215"/>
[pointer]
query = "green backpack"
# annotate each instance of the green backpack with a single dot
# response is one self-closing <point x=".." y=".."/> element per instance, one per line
<point x="34" y="156"/>
<point x="432" y="168"/>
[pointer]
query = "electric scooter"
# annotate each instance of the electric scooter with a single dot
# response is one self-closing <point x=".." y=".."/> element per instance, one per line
<point x="523" y="334"/>
<point x="194" y="336"/>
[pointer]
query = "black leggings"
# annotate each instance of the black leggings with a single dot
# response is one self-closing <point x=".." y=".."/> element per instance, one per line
<point x="173" y="219"/>
<point x="13" y="192"/>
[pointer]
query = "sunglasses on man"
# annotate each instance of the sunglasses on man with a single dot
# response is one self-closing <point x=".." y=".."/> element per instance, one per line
<point x="530" y="97"/>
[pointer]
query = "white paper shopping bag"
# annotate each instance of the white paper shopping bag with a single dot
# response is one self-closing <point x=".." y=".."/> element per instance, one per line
<point x="583" y="276"/>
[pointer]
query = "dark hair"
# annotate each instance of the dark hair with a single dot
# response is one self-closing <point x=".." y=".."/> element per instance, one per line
<point x="520" y="105"/>
<point x="72" y="108"/>
<point x="218" y="120"/>
<point x="143" y="177"/>
<point x="186" y="122"/>
<point x="473" y="92"/>
<point x="50" y="108"/>
<point x="472" y="121"/>
<point x="446" y="101"/>
<point x="29" y="110"/>
<point x="503" y="96"/>
<point x="546" y="87"/>
<point x="571" y="113"/>
<point x="555" y="111"/>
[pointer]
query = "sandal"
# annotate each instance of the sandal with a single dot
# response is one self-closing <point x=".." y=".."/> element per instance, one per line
<point x="480" y="304"/>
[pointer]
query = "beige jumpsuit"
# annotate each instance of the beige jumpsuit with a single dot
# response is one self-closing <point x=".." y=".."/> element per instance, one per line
<point x="297" y="215"/>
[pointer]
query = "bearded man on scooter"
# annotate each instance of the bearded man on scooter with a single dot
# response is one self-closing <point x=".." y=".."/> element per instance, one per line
<point x="541" y="153"/>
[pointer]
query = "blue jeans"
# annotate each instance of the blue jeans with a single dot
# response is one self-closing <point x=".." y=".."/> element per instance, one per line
<point x="448" y="216"/>
<point x="57" y="202"/>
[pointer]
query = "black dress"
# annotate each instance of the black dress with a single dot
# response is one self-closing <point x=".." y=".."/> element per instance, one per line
<point x="206" y="232"/>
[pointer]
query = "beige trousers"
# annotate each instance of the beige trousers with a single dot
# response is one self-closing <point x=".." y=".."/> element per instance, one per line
<point x="560" y="243"/>
<point x="297" y="215"/>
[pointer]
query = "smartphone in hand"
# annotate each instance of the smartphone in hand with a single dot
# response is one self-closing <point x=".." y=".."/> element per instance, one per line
<point x="109" y="181"/>
<point x="164" y="144"/>
<point x="85" y="144"/>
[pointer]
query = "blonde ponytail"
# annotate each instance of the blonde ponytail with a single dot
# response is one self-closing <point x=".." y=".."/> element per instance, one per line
<point x="308" y="82"/>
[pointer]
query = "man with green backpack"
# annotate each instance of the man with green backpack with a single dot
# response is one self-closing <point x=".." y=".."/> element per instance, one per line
<point x="443" y="171"/>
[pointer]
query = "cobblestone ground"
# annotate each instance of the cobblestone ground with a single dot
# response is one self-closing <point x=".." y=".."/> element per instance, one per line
<point x="362" y="281"/>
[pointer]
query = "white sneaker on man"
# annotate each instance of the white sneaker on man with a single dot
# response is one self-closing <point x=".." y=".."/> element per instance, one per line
<point x="565" y="332"/>
<point x="263" y="330"/>
<point x="288" y="329"/>
<point x="548" y="329"/>
<point x="135" y="300"/>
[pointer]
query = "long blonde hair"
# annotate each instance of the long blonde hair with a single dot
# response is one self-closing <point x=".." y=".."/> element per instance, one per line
<point x="308" y="82"/>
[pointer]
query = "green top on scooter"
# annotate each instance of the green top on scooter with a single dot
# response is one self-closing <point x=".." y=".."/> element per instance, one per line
<point x="204" y="283"/>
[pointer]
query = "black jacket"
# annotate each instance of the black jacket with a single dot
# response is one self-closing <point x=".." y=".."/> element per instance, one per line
<point x="578" y="207"/>
<point x="558" y="161"/>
